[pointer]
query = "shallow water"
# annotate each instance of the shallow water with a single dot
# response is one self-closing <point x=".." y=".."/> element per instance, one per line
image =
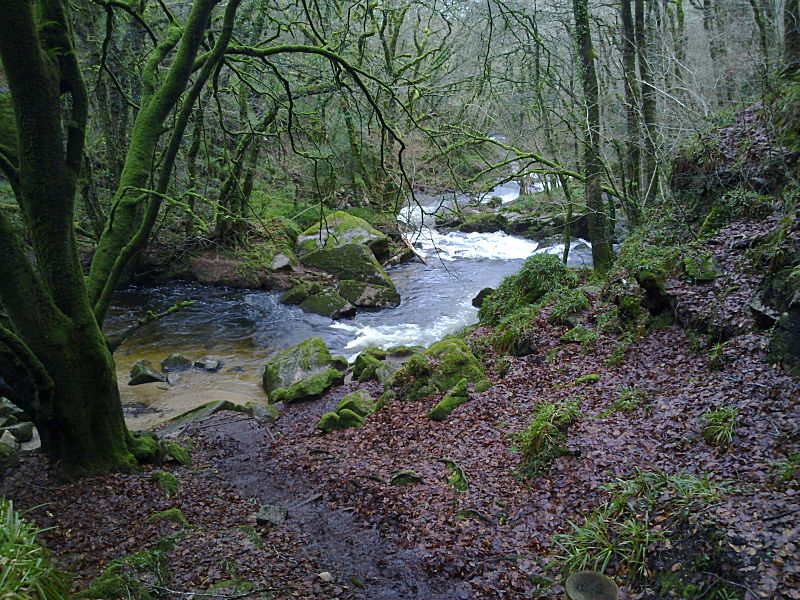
<point x="243" y="327"/>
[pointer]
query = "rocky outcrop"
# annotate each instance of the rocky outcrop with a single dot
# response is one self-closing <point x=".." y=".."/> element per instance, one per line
<point x="303" y="372"/>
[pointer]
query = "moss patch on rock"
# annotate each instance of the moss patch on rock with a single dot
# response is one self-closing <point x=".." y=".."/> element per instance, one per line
<point x="350" y="261"/>
<point x="437" y="369"/>
<point x="368" y="295"/>
<point x="455" y="397"/>
<point x="328" y="303"/>
<point x="340" y="229"/>
<point x="304" y="371"/>
<point x="351" y="412"/>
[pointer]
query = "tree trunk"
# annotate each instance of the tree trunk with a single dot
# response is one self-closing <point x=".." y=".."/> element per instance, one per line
<point x="791" y="27"/>
<point x="633" y="170"/>
<point x="597" y="219"/>
<point x="650" y="166"/>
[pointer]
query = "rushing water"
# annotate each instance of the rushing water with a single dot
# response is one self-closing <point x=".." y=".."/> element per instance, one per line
<point x="244" y="327"/>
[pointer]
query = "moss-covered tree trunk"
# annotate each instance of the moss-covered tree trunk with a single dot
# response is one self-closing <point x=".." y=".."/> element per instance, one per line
<point x="599" y="230"/>
<point x="51" y="332"/>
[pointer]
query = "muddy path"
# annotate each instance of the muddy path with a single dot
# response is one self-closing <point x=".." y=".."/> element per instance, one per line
<point x="270" y="464"/>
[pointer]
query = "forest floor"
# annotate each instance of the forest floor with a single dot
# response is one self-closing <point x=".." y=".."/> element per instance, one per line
<point x="351" y="534"/>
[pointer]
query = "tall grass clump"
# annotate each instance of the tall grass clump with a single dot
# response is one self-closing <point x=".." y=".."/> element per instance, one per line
<point x="25" y="568"/>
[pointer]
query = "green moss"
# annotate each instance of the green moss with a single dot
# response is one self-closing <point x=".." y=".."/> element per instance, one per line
<point x="590" y="378"/>
<point x="130" y="577"/>
<point x="327" y="303"/>
<point x="483" y="386"/>
<point x="300" y="292"/>
<point x="361" y="293"/>
<point x="166" y="481"/>
<point x="144" y="447"/>
<point x="455" y="476"/>
<point x="329" y="422"/>
<point x="173" y="515"/>
<point x="627" y="401"/>
<point x="650" y="264"/>
<point x="348" y="419"/>
<point x="340" y="229"/>
<point x="568" y="303"/>
<point x="350" y="261"/>
<point x="173" y="450"/>
<point x="358" y="402"/>
<point x="303" y="371"/>
<point x="454" y="398"/>
<point x="700" y="267"/>
<point x="406" y="477"/>
<point x="454" y="361"/>
<point x="539" y="275"/>
<point x="580" y="335"/>
<point x="367" y="364"/>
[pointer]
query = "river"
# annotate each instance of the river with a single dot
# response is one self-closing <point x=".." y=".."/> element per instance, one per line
<point x="243" y="328"/>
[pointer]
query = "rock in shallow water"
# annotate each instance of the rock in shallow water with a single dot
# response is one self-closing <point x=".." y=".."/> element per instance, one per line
<point x="142" y="372"/>
<point x="175" y="362"/>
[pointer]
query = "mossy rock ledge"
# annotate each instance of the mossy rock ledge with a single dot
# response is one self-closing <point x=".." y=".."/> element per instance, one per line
<point x="351" y="412"/>
<point x="303" y="372"/>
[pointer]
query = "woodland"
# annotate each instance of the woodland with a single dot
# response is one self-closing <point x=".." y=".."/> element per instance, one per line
<point x="449" y="299"/>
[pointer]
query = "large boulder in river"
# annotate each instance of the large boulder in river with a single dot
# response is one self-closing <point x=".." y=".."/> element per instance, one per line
<point x="363" y="282"/>
<point x="328" y="303"/>
<point x="302" y="372"/>
<point x="341" y="229"/>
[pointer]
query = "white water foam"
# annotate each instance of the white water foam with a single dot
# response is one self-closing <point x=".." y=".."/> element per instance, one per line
<point x="455" y="245"/>
<point x="405" y="334"/>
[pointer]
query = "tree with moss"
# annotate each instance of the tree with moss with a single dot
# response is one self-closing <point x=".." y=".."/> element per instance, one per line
<point x="53" y="352"/>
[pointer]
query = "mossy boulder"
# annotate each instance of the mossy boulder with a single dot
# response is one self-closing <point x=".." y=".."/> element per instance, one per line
<point x="380" y="365"/>
<point x="368" y="295"/>
<point x="328" y="303"/>
<point x="305" y="371"/>
<point x="406" y="477"/>
<point x="350" y="412"/>
<point x="340" y="229"/>
<point x="299" y="292"/>
<point x="437" y="369"/>
<point x="455" y="397"/>
<point x="350" y="261"/>
<point x="367" y="363"/>
<point x="359" y="402"/>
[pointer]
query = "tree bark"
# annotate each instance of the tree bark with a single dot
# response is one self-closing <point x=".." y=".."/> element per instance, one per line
<point x="597" y="219"/>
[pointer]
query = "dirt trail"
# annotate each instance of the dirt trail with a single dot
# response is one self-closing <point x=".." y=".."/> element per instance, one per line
<point x="251" y="456"/>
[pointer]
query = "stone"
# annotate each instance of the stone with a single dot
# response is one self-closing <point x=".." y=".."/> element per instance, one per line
<point x="348" y="419"/>
<point x="325" y="577"/>
<point x="329" y="422"/>
<point x="299" y="292"/>
<point x="406" y="477"/>
<point x="369" y="295"/>
<point x="477" y="301"/>
<point x="328" y="303"/>
<point x="350" y="261"/>
<point x="360" y="402"/>
<point x="22" y="432"/>
<point x="8" y="445"/>
<point x="455" y="397"/>
<point x="268" y="413"/>
<point x="142" y="372"/>
<point x="281" y="262"/>
<point x="208" y="363"/>
<point x="764" y="316"/>
<point x="272" y="515"/>
<point x="340" y="229"/>
<point x="305" y="371"/>
<point x="175" y="363"/>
